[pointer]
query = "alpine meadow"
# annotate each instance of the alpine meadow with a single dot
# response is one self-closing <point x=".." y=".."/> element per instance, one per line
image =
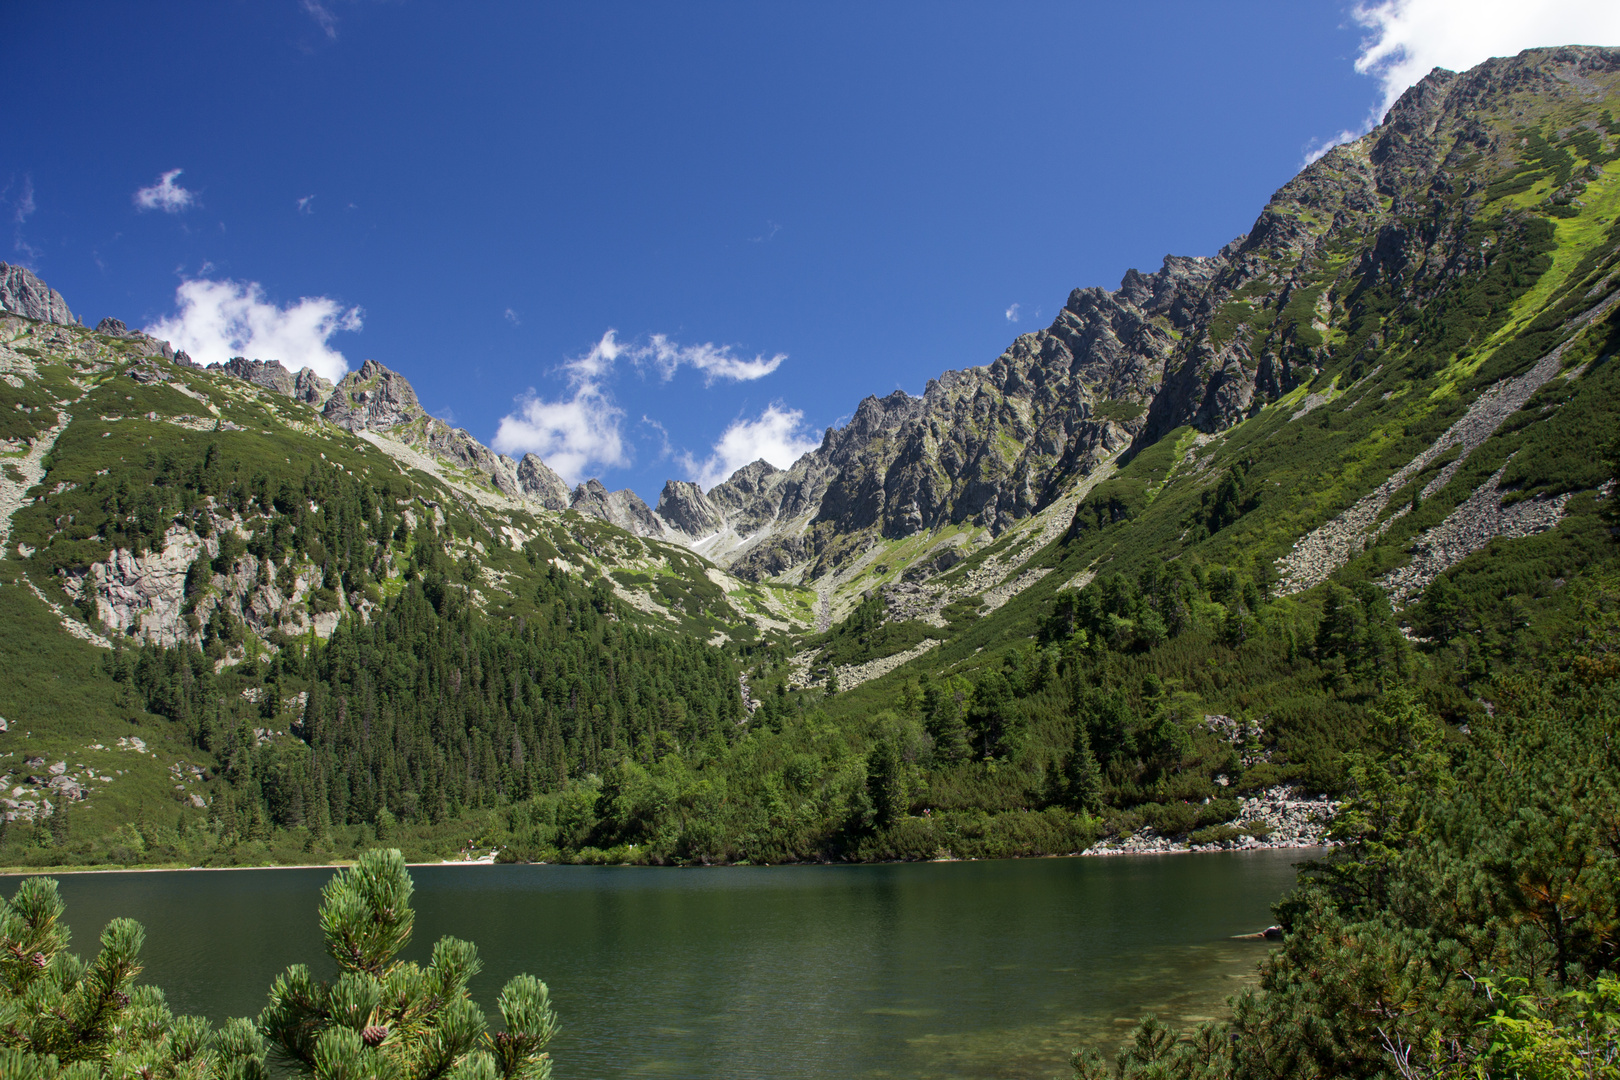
<point x="1308" y="543"/>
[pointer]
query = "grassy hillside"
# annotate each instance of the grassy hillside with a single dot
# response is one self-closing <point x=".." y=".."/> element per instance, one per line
<point x="323" y="639"/>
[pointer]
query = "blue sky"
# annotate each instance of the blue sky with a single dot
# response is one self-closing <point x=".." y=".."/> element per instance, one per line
<point x="656" y="240"/>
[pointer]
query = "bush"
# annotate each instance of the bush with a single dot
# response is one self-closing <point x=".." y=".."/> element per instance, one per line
<point x="61" y="1018"/>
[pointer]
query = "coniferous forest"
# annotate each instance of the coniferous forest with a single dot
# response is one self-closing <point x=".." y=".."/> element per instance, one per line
<point x="1325" y="520"/>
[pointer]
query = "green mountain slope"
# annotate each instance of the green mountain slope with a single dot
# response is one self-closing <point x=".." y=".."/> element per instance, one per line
<point x="1154" y="563"/>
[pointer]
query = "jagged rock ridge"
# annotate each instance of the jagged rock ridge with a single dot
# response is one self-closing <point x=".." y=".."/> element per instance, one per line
<point x="989" y="446"/>
<point x="21" y="293"/>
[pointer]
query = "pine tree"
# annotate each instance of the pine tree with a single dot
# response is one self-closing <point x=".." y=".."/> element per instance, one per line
<point x="63" y="1018"/>
<point x="386" y="1018"/>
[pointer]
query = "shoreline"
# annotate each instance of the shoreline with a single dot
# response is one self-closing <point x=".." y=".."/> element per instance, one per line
<point x="338" y="864"/>
<point x="1091" y="852"/>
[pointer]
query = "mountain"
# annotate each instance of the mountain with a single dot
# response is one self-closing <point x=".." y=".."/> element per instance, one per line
<point x="24" y="294"/>
<point x="1123" y="583"/>
<point x="1441" y="199"/>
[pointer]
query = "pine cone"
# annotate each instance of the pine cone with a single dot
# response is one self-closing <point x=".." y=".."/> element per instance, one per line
<point x="40" y="960"/>
<point x="374" y="1035"/>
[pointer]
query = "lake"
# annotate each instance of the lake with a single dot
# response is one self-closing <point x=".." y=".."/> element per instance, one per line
<point x="967" y="969"/>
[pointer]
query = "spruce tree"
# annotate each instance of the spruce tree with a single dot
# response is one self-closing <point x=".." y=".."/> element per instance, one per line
<point x="1084" y="775"/>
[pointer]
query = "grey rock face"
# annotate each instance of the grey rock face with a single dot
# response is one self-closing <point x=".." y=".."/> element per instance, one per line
<point x="146" y="373"/>
<point x="683" y="506"/>
<point x="310" y="388"/>
<point x="539" y="481"/>
<point x="147" y="592"/>
<point x="622" y="508"/>
<point x="266" y="373"/>
<point x="372" y="399"/>
<point x="1378" y="187"/>
<point x="305" y="386"/>
<point x="377" y="399"/>
<point x="21" y="293"/>
<point x="112" y="327"/>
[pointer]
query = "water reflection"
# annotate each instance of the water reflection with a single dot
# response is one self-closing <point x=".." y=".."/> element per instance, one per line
<point x="985" y="969"/>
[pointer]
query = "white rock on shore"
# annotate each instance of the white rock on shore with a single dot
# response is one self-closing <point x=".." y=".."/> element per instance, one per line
<point x="1294" y="820"/>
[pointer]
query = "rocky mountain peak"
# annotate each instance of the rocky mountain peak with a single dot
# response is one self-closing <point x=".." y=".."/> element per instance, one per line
<point x="622" y="508"/>
<point x="305" y="385"/>
<point x="372" y="399"/>
<point x="111" y="327"/>
<point x="683" y="505"/>
<point x="21" y="293"/>
<point x="539" y="481"/>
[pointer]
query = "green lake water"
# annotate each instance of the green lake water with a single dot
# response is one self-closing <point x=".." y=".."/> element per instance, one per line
<point x="969" y="969"/>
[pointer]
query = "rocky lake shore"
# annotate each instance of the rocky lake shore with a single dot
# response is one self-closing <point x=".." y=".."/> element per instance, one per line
<point x="1279" y="817"/>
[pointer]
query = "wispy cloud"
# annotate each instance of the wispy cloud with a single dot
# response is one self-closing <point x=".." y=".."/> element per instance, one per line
<point x="771" y="229"/>
<point x="322" y="16"/>
<point x="217" y="320"/>
<point x="1409" y="38"/>
<point x="306" y="205"/>
<point x="714" y="361"/>
<point x="165" y="195"/>
<point x="576" y="434"/>
<point x="1012" y="313"/>
<point x="583" y="431"/>
<point x="1317" y="148"/>
<point x="779" y="435"/>
<point x="23" y="205"/>
<point x="511" y="317"/>
<point x="665" y="450"/>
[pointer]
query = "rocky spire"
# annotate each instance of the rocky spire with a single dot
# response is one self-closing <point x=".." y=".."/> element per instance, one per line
<point x="21" y="293"/>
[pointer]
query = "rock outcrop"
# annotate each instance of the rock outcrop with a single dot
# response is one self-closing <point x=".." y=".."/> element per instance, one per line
<point x="304" y="385"/>
<point x="541" y="483"/>
<point x="683" y="505"/>
<point x="372" y="399"/>
<point x="149" y="345"/>
<point x="21" y="293"/>
<point x="622" y="508"/>
<point x="269" y="374"/>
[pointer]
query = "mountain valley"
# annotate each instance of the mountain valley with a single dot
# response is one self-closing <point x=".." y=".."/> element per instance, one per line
<point x="1165" y="555"/>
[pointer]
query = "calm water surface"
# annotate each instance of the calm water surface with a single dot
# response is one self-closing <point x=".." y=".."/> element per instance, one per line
<point x="977" y="969"/>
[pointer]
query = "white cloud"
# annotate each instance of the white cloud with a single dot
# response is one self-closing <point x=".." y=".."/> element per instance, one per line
<point x="305" y="204"/>
<point x="767" y="234"/>
<point x="511" y="317"/>
<point x="779" y="436"/>
<point x="583" y="432"/>
<point x="1012" y="313"/>
<point x="21" y="208"/>
<point x="24" y="206"/>
<point x="1316" y="148"/>
<point x="165" y="195"/>
<point x="221" y="319"/>
<point x="1412" y="37"/>
<point x="597" y="362"/>
<point x="323" y="18"/>
<point x="573" y="435"/>
<point x="665" y="450"/>
<point x="715" y="361"/>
